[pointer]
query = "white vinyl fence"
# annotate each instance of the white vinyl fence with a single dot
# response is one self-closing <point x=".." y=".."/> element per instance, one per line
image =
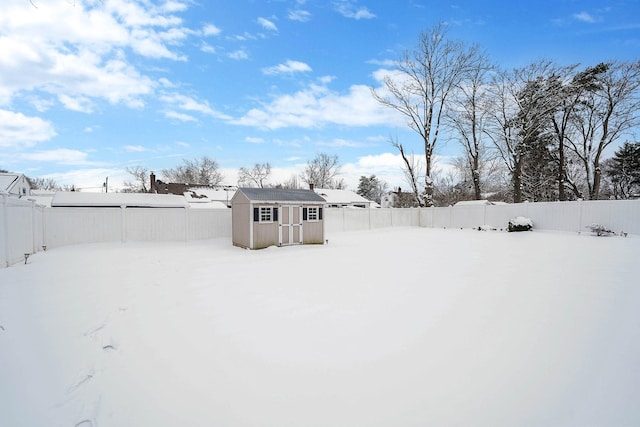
<point x="21" y="229"/>
<point x="26" y="228"/>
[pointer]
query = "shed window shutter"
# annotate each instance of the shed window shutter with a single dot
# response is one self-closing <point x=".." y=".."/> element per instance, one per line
<point x="304" y="214"/>
<point x="275" y="214"/>
<point x="256" y="214"/>
<point x="320" y="214"/>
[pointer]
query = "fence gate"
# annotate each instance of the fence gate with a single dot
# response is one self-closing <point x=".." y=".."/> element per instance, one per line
<point x="290" y="226"/>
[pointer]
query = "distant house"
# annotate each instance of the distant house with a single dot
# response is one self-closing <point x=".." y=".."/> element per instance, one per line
<point x="344" y="199"/>
<point x="220" y="194"/>
<point x="398" y="199"/>
<point x="14" y="184"/>
<point x="263" y="217"/>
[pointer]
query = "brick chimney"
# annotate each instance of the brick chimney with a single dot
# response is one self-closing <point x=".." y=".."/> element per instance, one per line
<point x="152" y="177"/>
<point x="311" y="186"/>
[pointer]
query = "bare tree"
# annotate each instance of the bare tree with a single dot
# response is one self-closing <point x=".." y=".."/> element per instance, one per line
<point x="412" y="171"/>
<point x="48" y="184"/>
<point x="468" y="115"/>
<point x="421" y="86"/>
<point x="292" y="183"/>
<point x="254" y="176"/>
<point x="606" y="114"/>
<point x="140" y="176"/>
<point x="203" y="171"/>
<point x="518" y="122"/>
<point x="322" y="172"/>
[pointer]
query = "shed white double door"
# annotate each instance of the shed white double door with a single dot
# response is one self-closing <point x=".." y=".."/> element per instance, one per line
<point x="290" y="225"/>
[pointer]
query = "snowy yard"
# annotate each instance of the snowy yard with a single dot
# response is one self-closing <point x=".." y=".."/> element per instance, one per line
<point x="395" y="327"/>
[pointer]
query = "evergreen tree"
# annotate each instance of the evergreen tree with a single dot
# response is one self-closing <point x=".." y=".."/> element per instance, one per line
<point x="624" y="171"/>
<point x="371" y="188"/>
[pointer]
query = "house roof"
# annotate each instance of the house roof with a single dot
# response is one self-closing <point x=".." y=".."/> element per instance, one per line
<point x="7" y="180"/>
<point x="342" y="197"/>
<point x="478" y="203"/>
<point x="140" y="200"/>
<point x="280" y="195"/>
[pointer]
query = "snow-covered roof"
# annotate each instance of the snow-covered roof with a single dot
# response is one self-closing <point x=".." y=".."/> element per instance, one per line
<point x="141" y="200"/>
<point x="342" y="197"/>
<point x="280" y="195"/>
<point x="220" y="194"/>
<point x="7" y="180"/>
<point x="477" y="203"/>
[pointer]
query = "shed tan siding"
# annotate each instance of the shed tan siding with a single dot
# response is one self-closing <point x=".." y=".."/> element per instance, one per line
<point x="241" y="220"/>
<point x="265" y="234"/>
<point x="313" y="231"/>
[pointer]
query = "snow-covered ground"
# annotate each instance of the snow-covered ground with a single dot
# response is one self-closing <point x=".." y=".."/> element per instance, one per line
<point x="395" y="327"/>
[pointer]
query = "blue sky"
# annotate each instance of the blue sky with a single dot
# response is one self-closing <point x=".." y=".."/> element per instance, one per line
<point x="88" y="87"/>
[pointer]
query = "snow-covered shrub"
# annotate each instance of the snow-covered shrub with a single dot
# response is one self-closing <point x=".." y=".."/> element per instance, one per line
<point x="520" y="223"/>
<point x="600" y="230"/>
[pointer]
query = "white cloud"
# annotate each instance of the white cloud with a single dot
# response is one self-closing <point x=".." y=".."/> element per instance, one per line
<point x="63" y="156"/>
<point x="75" y="50"/>
<point x="18" y="131"/>
<point x="80" y="104"/>
<point x="349" y="9"/>
<point x="584" y="17"/>
<point x="134" y="148"/>
<point x="317" y="106"/>
<point x="179" y="116"/>
<point x="211" y="30"/>
<point x="254" y="140"/>
<point x="299" y="15"/>
<point x="267" y="24"/>
<point x="190" y="104"/>
<point x="289" y="67"/>
<point x="207" y="48"/>
<point x="238" y="54"/>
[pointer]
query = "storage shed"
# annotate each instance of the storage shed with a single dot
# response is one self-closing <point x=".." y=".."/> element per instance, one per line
<point x="263" y="217"/>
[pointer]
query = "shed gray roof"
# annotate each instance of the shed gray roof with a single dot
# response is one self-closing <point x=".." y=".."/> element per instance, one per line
<point x="281" y="195"/>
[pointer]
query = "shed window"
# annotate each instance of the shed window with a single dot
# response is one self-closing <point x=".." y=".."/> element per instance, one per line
<point x="265" y="214"/>
<point x="312" y="214"/>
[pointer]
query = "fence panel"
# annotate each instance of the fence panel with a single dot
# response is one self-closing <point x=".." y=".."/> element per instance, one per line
<point x="209" y="223"/>
<point x="69" y="226"/>
<point x="405" y="218"/>
<point x="498" y="216"/>
<point x="616" y="215"/>
<point x="156" y="224"/>
<point x="17" y="234"/>
<point x="467" y="216"/>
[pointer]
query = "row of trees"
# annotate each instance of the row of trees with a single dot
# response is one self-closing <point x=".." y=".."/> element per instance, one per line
<point x="323" y="171"/>
<point x="548" y="125"/>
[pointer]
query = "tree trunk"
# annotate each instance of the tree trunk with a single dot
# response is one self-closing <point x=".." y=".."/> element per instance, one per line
<point x="517" y="182"/>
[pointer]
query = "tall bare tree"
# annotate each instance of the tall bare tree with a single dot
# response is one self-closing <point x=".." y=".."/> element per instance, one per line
<point x="518" y="122"/>
<point x="412" y="171"/>
<point x="322" y="172"/>
<point x="256" y="176"/>
<point x="606" y="114"/>
<point x="467" y="117"/>
<point x="572" y="87"/>
<point x="420" y="88"/>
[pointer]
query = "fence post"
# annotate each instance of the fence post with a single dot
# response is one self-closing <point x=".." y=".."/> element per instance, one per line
<point x="186" y="223"/>
<point x="123" y="224"/>
<point x="4" y="231"/>
<point x="34" y="248"/>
